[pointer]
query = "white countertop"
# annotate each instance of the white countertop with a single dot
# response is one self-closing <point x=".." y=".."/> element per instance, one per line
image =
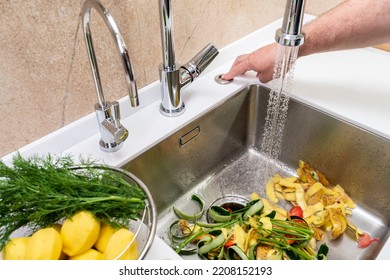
<point x="353" y="85"/>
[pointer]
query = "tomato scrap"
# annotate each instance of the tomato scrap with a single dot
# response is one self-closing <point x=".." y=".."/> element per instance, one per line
<point x="230" y="242"/>
<point x="365" y="240"/>
<point x="296" y="211"/>
<point x="295" y="215"/>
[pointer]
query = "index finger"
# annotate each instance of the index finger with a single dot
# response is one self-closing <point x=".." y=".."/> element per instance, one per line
<point x="237" y="69"/>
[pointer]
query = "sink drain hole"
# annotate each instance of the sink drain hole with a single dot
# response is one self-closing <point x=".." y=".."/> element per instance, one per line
<point x="231" y="203"/>
<point x="232" y="206"/>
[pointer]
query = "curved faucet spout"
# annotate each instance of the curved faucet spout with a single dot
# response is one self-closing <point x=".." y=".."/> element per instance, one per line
<point x="108" y="114"/>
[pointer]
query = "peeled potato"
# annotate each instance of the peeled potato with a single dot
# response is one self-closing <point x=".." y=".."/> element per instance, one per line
<point x="118" y="243"/>
<point x="44" y="244"/>
<point x="15" y="249"/>
<point x="79" y="233"/>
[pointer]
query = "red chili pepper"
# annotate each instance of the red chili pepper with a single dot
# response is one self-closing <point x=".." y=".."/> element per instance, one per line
<point x="365" y="240"/>
<point x="296" y="211"/>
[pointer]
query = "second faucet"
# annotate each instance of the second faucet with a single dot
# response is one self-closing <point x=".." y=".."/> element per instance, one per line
<point x="174" y="77"/>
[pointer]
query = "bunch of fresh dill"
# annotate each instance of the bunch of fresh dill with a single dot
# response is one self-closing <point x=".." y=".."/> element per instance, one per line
<point x="41" y="191"/>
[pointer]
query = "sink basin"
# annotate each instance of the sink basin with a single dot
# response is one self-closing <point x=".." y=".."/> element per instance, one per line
<point x="217" y="156"/>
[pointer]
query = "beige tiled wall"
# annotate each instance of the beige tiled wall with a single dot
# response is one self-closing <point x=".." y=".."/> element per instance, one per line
<point x="45" y="79"/>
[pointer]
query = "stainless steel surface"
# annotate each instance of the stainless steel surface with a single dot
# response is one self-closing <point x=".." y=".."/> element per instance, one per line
<point x="174" y="77"/>
<point x="112" y="132"/>
<point x="224" y="160"/>
<point x="291" y="32"/>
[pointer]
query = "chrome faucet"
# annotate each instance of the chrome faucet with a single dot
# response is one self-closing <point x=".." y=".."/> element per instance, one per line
<point x="291" y="32"/>
<point x="175" y="77"/>
<point x="113" y="134"/>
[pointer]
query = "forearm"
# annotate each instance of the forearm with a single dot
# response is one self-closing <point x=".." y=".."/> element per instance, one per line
<point x="352" y="24"/>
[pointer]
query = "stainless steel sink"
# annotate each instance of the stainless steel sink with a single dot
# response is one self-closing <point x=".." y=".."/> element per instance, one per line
<point x="217" y="155"/>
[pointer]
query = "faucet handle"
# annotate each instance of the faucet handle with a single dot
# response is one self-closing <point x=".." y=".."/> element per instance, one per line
<point x="200" y="61"/>
<point x="115" y="114"/>
<point x="119" y="132"/>
<point x="113" y="134"/>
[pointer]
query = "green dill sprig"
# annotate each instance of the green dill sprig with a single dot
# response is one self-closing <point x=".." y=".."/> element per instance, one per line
<point x="41" y="191"/>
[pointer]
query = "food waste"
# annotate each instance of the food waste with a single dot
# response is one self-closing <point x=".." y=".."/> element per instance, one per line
<point x="264" y="230"/>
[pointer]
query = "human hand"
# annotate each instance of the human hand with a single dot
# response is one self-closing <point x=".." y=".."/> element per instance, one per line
<point x="261" y="61"/>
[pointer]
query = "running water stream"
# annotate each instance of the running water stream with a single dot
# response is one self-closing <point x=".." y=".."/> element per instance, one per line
<point x="278" y="106"/>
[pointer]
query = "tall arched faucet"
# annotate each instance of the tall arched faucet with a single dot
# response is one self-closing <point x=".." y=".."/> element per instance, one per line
<point x="174" y="77"/>
<point x="113" y="134"/>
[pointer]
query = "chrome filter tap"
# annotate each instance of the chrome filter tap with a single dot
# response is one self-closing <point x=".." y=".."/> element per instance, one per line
<point x="113" y="134"/>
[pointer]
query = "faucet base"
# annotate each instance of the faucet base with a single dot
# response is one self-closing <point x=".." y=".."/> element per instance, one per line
<point x="172" y="113"/>
<point x="110" y="147"/>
